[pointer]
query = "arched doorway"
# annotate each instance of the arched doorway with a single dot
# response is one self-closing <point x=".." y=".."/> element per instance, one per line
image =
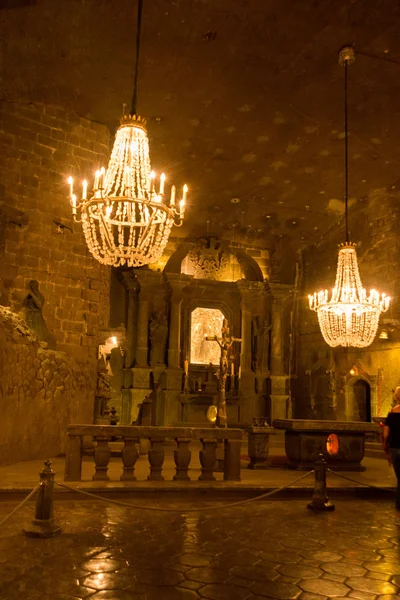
<point x="362" y="400"/>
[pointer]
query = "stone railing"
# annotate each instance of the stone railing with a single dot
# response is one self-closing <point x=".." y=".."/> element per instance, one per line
<point x="131" y="436"/>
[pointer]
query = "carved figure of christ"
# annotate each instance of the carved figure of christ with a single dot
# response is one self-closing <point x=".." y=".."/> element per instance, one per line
<point x="225" y="343"/>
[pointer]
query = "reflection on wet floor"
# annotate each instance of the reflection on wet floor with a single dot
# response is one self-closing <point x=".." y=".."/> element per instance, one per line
<point x="265" y="550"/>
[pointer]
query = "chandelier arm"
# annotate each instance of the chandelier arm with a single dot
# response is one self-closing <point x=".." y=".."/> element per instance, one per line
<point x="138" y="32"/>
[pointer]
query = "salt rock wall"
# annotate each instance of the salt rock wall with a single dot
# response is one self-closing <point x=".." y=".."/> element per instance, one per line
<point x="41" y="392"/>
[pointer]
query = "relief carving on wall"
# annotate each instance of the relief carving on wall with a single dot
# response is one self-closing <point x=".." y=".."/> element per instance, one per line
<point x="208" y="259"/>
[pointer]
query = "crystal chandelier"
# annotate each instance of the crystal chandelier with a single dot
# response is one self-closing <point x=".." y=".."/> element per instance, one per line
<point x="349" y="317"/>
<point x="126" y="220"/>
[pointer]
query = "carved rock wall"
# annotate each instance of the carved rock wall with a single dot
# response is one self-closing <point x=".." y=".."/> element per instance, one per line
<point x="41" y="392"/>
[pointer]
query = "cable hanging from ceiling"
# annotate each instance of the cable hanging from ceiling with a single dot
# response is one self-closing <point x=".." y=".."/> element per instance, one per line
<point x="127" y="220"/>
<point x="350" y="317"/>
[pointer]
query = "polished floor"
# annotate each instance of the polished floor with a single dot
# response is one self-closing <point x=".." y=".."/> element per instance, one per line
<point x="272" y="549"/>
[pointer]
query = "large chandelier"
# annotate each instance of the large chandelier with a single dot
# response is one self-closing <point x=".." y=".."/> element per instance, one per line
<point x="126" y="220"/>
<point x="350" y="317"/>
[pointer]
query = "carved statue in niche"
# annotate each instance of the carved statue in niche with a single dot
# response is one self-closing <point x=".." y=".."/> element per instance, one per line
<point x="158" y="332"/>
<point x="32" y="307"/>
<point x="207" y="258"/>
<point x="103" y="393"/>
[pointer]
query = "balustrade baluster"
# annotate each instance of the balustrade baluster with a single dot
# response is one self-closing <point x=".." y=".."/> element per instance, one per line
<point x="208" y="457"/>
<point x="102" y="455"/>
<point x="156" y="459"/>
<point x="232" y="450"/>
<point x="129" y="457"/>
<point x="182" y="456"/>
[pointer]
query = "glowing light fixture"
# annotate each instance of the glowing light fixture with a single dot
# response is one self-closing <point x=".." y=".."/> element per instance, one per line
<point x="350" y="317"/>
<point x="126" y="220"/>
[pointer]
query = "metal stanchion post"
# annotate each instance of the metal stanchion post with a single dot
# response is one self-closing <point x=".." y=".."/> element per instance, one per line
<point x="43" y="525"/>
<point x="320" y="499"/>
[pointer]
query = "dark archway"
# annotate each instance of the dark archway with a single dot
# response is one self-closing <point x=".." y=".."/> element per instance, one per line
<point x="362" y="400"/>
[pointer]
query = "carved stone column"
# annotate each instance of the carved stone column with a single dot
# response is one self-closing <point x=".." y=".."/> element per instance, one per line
<point x="132" y="285"/>
<point x="279" y="375"/>
<point x="247" y="377"/>
<point x="142" y="348"/>
<point x="176" y="283"/>
<point x="151" y="295"/>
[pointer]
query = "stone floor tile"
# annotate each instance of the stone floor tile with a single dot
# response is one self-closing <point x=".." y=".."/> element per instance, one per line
<point x="396" y="581"/>
<point x="239" y="581"/>
<point x="105" y="565"/>
<point x="189" y="584"/>
<point x="344" y="569"/>
<point x="387" y="597"/>
<point x="310" y="596"/>
<point x="362" y="595"/>
<point x="107" y="581"/>
<point x="255" y="573"/>
<point x="324" y="556"/>
<point x="380" y="576"/>
<point x="280" y="556"/>
<point x="361" y="554"/>
<point x="374" y="543"/>
<point x="158" y="577"/>
<point x="371" y="586"/>
<point x="391" y="568"/>
<point x="171" y="593"/>
<point x="324" y="587"/>
<point x="117" y="595"/>
<point x="273" y="589"/>
<point x="299" y="571"/>
<point x="331" y="577"/>
<point x="207" y="575"/>
<point x="216" y="591"/>
<point x="287" y="579"/>
<point x="193" y="560"/>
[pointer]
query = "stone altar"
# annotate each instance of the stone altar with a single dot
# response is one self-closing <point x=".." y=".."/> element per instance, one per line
<point x="305" y="439"/>
<point x="258" y="445"/>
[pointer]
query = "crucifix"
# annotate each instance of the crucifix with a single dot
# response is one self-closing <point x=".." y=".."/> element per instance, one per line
<point x="225" y="342"/>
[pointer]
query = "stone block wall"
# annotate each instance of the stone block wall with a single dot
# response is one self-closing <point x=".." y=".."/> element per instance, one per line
<point x="41" y="391"/>
<point x="39" y="147"/>
<point x="374" y="226"/>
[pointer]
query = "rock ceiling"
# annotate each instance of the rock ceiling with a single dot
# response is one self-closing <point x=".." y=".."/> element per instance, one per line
<point x="244" y="98"/>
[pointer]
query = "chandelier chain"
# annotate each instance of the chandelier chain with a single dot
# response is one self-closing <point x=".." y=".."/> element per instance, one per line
<point x="138" y="35"/>
<point x="346" y="153"/>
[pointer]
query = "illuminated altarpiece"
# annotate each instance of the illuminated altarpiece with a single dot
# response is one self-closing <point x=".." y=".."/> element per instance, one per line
<point x="168" y="313"/>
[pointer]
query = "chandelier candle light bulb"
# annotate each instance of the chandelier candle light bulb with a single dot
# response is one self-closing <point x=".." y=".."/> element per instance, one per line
<point x="125" y="221"/>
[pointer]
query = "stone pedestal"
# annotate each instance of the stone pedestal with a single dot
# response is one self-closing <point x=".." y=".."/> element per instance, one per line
<point x="258" y="446"/>
<point x="279" y="396"/>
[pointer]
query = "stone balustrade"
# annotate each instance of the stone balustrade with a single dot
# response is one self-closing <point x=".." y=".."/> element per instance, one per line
<point x="157" y="436"/>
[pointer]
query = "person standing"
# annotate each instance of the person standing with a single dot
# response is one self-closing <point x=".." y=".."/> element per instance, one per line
<point x="391" y="442"/>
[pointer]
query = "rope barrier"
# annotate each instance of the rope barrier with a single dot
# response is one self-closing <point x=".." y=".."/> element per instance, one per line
<point x="179" y="510"/>
<point x="376" y="487"/>
<point x="21" y="504"/>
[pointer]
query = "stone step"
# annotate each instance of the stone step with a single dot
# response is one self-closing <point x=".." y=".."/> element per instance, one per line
<point x="374" y="450"/>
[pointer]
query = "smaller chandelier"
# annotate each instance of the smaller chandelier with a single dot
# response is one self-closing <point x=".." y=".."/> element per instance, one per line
<point x="350" y="317"/>
<point x="126" y="221"/>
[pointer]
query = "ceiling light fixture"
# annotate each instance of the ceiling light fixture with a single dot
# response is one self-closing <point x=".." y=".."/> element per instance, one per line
<point x="126" y="221"/>
<point x="350" y="317"/>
